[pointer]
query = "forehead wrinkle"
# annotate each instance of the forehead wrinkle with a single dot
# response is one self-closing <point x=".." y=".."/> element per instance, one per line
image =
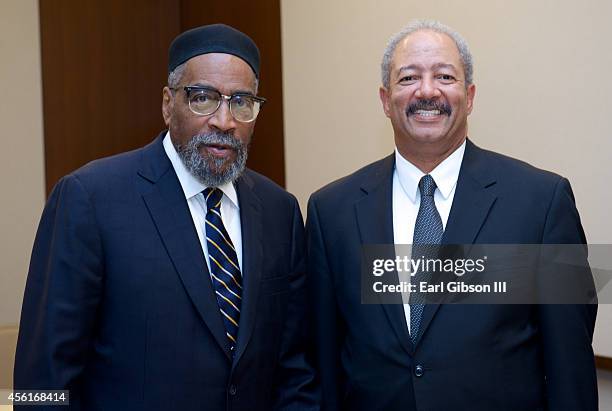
<point x="409" y="67"/>
<point x="444" y="65"/>
<point x="435" y="66"/>
<point x="423" y="67"/>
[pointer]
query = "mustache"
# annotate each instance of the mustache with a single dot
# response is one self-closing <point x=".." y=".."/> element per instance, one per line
<point x="217" y="138"/>
<point x="429" y="104"/>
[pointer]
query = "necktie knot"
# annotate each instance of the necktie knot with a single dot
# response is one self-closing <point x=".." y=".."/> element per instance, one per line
<point x="427" y="185"/>
<point x="213" y="197"/>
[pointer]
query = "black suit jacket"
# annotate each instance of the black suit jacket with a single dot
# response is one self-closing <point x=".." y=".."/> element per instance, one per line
<point x="467" y="357"/>
<point x="120" y="310"/>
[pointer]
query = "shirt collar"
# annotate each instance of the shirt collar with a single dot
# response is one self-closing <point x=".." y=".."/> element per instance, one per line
<point x="192" y="186"/>
<point x="445" y="174"/>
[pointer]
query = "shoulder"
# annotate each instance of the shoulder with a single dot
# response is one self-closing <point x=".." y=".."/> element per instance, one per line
<point x="511" y="173"/>
<point x="349" y="187"/>
<point x="114" y="175"/>
<point x="118" y="164"/>
<point x="515" y="166"/>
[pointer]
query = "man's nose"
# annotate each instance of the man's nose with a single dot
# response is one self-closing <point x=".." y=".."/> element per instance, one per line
<point x="222" y="119"/>
<point x="428" y="89"/>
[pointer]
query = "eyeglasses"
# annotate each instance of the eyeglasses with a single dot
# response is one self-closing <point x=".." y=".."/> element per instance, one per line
<point x="204" y="101"/>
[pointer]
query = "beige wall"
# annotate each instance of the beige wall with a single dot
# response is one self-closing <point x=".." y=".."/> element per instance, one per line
<point x="21" y="162"/>
<point x="543" y="93"/>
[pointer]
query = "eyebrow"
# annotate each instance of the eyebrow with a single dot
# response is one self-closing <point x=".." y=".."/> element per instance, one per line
<point x="208" y="86"/>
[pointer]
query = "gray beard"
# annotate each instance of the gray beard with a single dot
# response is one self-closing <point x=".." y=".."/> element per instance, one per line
<point x="210" y="170"/>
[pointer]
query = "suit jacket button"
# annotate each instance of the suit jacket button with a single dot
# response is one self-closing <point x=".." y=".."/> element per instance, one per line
<point x="419" y="370"/>
<point x="232" y="389"/>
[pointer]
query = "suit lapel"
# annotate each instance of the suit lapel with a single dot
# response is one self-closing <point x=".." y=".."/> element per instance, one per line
<point x="375" y="221"/>
<point x="252" y="254"/>
<point x="471" y="205"/>
<point x="166" y="203"/>
<point x="473" y="198"/>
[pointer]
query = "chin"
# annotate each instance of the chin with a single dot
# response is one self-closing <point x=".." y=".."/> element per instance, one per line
<point x="429" y="138"/>
<point x="218" y="162"/>
<point x="219" y="169"/>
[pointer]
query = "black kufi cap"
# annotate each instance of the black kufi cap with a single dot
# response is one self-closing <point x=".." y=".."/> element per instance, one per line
<point x="214" y="38"/>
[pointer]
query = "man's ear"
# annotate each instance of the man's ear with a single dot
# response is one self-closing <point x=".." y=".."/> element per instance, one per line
<point x="471" y="92"/>
<point x="167" y="105"/>
<point x="383" y="93"/>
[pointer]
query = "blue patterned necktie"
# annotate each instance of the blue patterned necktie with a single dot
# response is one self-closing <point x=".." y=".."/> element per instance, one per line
<point x="428" y="232"/>
<point x="224" y="269"/>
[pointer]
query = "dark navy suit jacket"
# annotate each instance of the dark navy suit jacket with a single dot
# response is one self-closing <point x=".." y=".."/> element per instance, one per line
<point x="467" y="357"/>
<point x="119" y="307"/>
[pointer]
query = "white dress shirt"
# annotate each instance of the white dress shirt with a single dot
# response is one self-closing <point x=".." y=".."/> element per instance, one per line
<point x="192" y="188"/>
<point x="407" y="198"/>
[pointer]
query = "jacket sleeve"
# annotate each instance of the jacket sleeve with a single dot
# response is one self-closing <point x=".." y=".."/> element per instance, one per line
<point x="326" y="324"/>
<point x="567" y="329"/>
<point x="297" y="388"/>
<point x="62" y="295"/>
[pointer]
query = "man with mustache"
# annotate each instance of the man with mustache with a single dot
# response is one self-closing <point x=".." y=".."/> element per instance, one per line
<point x="171" y="277"/>
<point x="440" y="188"/>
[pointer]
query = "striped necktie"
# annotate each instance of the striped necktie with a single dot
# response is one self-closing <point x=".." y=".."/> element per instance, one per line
<point x="224" y="269"/>
<point x="428" y="232"/>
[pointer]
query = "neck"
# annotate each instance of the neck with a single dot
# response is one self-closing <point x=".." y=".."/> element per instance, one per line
<point x="429" y="156"/>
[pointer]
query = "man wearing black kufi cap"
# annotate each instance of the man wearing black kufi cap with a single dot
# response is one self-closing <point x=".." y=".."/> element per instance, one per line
<point x="171" y="277"/>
